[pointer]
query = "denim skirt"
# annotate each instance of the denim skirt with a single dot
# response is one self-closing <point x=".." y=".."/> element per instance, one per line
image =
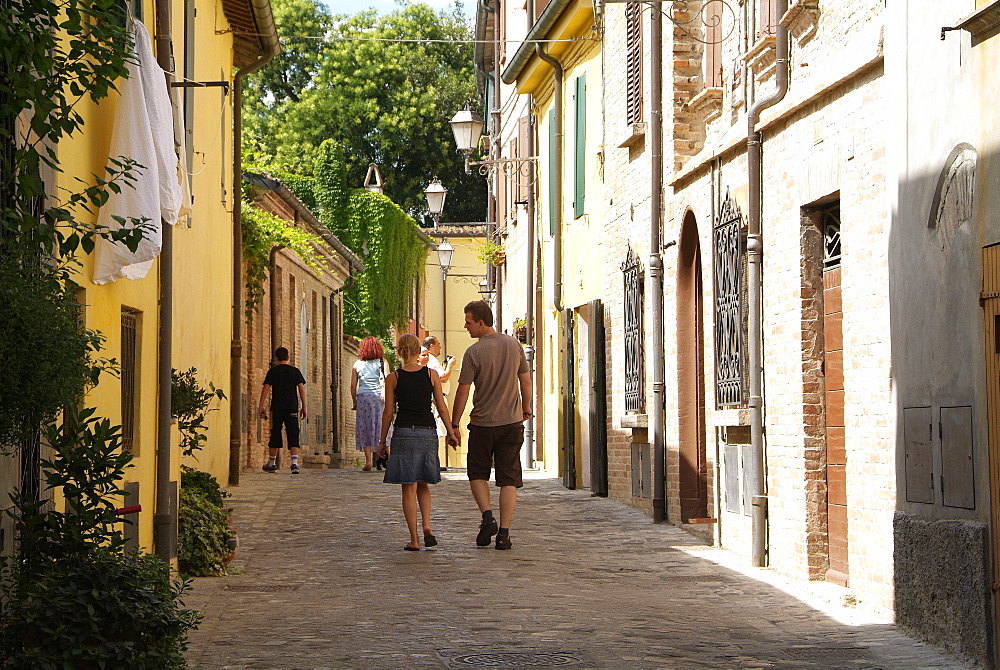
<point x="413" y="456"/>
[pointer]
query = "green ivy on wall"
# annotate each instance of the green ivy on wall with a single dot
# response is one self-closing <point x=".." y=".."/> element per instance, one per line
<point x="261" y="233"/>
<point x="382" y="234"/>
<point x="382" y="295"/>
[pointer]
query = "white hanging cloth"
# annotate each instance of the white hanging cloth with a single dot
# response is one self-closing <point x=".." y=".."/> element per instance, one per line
<point x="144" y="132"/>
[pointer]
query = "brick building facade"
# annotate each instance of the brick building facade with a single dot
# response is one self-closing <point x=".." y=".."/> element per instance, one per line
<point x="302" y="310"/>
<point x="862" y="181"/>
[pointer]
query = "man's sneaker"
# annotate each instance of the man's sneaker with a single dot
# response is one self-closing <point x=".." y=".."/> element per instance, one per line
<point x="295" y="468"/>
<point x="270" y="467"/>
<point x="503" y="541"/>
<point x="487" y="529"/>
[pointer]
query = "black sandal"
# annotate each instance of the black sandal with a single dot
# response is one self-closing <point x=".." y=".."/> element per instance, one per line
<point x="409" y="548"/>
<point x="430" y="540"/>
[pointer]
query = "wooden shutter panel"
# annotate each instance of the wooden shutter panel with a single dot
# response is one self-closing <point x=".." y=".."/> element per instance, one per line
<point x="502" y="189"/>
<point x="552" y="172"/>
<point x="633" y="64"/>
<point x="580" y="152"/>
<point x="713" y="48"/>
<point x="766" y="19"/>
<point x="526" y="168"/>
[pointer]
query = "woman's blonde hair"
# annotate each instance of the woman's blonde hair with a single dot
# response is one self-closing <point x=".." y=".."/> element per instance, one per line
<point x="408" y="346"/>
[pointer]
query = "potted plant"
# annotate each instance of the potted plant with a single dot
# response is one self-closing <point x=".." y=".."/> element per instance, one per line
<point x="493" y="253"/>
<point x="521" y="330"/>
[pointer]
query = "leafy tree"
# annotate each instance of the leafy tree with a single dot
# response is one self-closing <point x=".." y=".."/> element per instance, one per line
<point x="384" y="102"/>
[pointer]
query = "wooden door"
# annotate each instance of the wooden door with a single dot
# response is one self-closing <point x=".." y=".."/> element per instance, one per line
<point x="836" y="452"/>
<point x="991" y="322"/>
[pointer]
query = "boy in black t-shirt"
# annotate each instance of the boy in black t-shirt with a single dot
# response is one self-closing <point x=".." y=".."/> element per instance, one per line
<point x="285" y="382"/>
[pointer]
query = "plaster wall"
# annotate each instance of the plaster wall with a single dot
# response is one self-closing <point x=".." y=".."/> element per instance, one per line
<point x="943" y="101"/>
<point x="443" y="312"/>
<point x="202" y="273"/>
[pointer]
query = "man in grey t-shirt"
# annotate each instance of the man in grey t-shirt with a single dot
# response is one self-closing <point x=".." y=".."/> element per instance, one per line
<point x="502" y="402"/>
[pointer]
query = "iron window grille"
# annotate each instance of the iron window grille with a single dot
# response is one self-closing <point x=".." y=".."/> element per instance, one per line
<point x="635" y="397"/>
<point x="128" y="370"/>
<point x="830" y="218"/>
<point x="730" y="307"/>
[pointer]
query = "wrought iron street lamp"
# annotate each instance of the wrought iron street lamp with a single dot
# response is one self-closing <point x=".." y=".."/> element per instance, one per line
<point x="435" y="194"/>
<point x="488" y="294"/>
<point x="445" y="252"/>
<point x="467" y="127"/>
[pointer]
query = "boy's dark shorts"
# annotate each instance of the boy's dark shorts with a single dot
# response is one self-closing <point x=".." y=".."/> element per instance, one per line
<point x="498" y="447"/>
<point x="290" y="420"/>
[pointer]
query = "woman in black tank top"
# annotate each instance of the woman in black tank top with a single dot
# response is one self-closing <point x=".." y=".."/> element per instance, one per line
<point x="413" y="455"/>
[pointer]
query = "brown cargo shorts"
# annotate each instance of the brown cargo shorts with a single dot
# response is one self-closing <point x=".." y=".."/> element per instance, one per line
<point x="498" y="447"/>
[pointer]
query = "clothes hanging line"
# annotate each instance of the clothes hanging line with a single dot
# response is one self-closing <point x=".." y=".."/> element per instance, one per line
<point x="402" y="40"/>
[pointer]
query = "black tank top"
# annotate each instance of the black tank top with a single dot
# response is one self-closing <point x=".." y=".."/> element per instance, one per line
<point x="413" y="398"/>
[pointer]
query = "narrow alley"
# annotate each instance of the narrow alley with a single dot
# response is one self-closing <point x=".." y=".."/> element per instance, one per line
<point x="322" y="582"/>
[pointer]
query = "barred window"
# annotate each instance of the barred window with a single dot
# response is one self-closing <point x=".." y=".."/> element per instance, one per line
<point x="635" y="397"/>
<point x="130" y="328"/>
<point x="633" y="63"/>
<point x="730" y="295"/>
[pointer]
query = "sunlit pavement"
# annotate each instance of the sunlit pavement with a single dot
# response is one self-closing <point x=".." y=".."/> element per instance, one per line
<point x="590" y="583"/>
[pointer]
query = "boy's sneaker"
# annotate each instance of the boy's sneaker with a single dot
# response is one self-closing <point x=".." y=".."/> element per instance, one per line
<point x="487" y="529"/>
<point x="503" y="541"/>
<point x="295" y="468"/>
<point x="270" y="467"/>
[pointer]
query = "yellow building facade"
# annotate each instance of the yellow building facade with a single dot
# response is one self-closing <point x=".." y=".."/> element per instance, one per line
<point x="444" y="298"/>
<point x="565" y="86"/>
<point x="208" y="49"/>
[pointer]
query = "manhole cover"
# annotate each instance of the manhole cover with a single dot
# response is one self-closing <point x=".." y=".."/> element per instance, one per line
<point x="828" y="653"/>
<point x="259" y="588"/>
<point x="518" y="660"/>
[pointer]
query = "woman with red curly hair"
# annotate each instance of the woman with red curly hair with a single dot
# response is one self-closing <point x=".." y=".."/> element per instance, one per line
<point x="367" y="388"/>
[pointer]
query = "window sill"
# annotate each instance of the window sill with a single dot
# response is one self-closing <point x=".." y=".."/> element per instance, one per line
<point x="708" y="104"/>
<point x="635" y="421"/>
<point x="762" y="57"/>
<point x="724" y="418"/>
<point x="636" y="134"/>
<point x="801" y="19"/>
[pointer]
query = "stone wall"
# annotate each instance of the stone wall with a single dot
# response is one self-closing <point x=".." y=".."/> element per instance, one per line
<point x="941" y="584"/>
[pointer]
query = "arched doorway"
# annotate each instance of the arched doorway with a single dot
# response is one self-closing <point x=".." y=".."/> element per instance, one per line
<point x="693" y="469"/>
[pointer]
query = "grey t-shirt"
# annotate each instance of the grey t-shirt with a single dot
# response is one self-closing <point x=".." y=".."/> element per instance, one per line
<point x="493" y="364"/>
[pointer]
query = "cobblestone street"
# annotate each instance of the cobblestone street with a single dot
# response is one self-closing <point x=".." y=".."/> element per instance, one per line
<point x="590" y="583"/>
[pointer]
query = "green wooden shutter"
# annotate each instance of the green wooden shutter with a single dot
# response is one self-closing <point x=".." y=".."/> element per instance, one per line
<point x="580" y="150"/>
<point x="552" y="172"/>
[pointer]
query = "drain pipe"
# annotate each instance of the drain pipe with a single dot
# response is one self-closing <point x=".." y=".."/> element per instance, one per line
<point x="529" y="315"/>
<point x="755" y="260"/>
<point x="164" y="514"/>
<point x="557" y="150"/>
<point x="657" y="417"/>
<point x="269" y="38"/>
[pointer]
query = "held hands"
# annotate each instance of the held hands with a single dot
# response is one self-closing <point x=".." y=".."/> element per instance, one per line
<point x="454" y="438"/>
<point x="383" y="450"/>
<point x="263" y="412"/>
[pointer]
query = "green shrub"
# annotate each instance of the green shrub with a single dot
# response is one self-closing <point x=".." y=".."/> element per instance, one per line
<point x="109" y="610"/>
<point x="204" y="525"/>
<point x="189" y="404"/>
<point x="70" y="597"/>
<point x="204" y="483"/>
